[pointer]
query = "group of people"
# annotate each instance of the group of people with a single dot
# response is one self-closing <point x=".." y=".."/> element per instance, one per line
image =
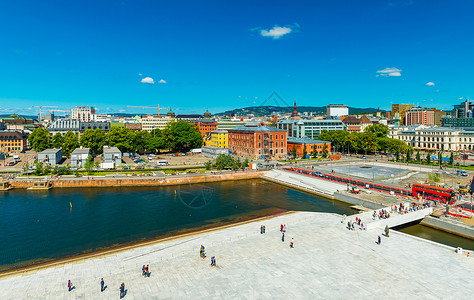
<point x="202" y="254"/>
<point x="283" y="229"/>
<point x="358" y="221"/>
<point x="146" y="271"/>
<point x="382" y="214"/>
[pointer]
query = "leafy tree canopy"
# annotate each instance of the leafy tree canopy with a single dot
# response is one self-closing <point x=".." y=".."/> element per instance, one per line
<point x="181" y="136"/>
<point x="39" y="139"/>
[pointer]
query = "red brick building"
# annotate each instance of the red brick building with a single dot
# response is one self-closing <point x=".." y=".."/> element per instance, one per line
<point x="256" y="139"/>
<point x="206" y="126"/>
<point x="300" y="143"/>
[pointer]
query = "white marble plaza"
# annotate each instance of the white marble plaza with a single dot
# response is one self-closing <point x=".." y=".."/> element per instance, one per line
<point x="328" y="262"/>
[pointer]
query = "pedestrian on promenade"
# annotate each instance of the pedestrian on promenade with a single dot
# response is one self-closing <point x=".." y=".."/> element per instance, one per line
<point x="102" y="284"/>
<point x="282" y="236"/>
<point x="143" y="271"/>
<point x="379" y="240"/>
<point x="147" y="271"/>
<point x="281" y="227"/>
<point x="284" y="228"/>
<point x="202" y="252"/>
<point x="263" y="228"/>
<point x="213" y="261"/>
<point x="122" y="290"/>
<point x="292" y="243"/>
<point x="69" y="285"/>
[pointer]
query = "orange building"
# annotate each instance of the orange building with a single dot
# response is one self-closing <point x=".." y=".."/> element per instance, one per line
<point x="300" y="143"/>
<point x="256" y="140"/>
<point x="206" y="126"/>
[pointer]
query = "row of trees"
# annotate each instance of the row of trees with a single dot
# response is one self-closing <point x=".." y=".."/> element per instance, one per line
<point x="374" y="138"/>
<point x="177" y="136"/>
<point x="227" y="162"/>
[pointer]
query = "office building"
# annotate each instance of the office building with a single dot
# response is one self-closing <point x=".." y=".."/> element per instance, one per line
<point x="83" y="113"/>
<point x="401" y="110"/>
<point x="337" y="110"/>
<point x="309" y="128"/>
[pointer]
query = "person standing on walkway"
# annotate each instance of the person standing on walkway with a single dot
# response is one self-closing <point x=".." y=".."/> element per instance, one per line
<point x="263" y="228"/>
<point x="69" y="285"/>
<point x="281" y="227"/>
<point x="102" y="284"/>
<point x="292" y="243"/>
<point x="147" y="271"/>
<point x="143" y="271"/>
<point x="122" y="290"/>
<point x="282" y="236"/>
<point x="379" y="240"/>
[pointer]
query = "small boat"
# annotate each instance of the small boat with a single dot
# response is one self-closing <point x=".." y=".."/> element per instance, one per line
<point x="5" y="186"/>
<point x="41" y="185"/>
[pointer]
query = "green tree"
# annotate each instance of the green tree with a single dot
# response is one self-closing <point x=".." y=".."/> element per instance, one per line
<point x="89" y="164"/>
<point x="122" y="138"/>
<point x="71" y="142"/>
<point x="314" y="152"/>
<point x="379" y="130"/>
<point x="305" y="152"/>
<point x="293" y="151"/>
<point x="397" y="155"/>
<point x="451" y="159"/>
<point x="224" y="162"/>
<point x="39" y="168"/>
<point x="208" y="165"/>
<point x="418" y="156"/>
<point x="237" y="164"/>
<point x="181" y="136"/>
<point x="409" y="152"/>
<point x="26" y="167"/>
<point x="58" y="140"/>
<point x="245" y="163"/>
<point x="141" y="141"/>
<point x="94" y="140"/>
<point x="155" y="142"/>
<point x="428" y="158"/>
<point x="325" y="151"/>
<point x="39" y="139"/>
<point x="440" y="158"/>
<point x="47" y="170"/>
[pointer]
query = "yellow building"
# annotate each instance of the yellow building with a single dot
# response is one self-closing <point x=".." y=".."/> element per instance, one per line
<point x="219" y="138"/>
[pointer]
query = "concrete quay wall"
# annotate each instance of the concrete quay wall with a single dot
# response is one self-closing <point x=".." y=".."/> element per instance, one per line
<point x="445" y="225"/>
<point x="111" y="182"/>
<point x="357" y="201"/>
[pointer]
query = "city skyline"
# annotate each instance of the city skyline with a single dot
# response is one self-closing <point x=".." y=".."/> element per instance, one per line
<point x="221" y="56"/>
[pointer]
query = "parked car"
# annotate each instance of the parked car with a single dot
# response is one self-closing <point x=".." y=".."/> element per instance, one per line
<point x="126" y="168"/>
<point x="461" y="173"/>
<point x="162" y="163"/>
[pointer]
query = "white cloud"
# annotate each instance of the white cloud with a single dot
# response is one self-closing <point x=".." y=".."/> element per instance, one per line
<point x="392" y="72"/>
<point x="162" y="81"/>
<point x="139" y="74"/>
<point x="276" y="32"/>
<point x="430" y="84"/>
<point x="148" y="80"/>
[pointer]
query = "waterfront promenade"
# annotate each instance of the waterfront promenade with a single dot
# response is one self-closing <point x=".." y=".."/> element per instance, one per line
<point x="328" y="262"/>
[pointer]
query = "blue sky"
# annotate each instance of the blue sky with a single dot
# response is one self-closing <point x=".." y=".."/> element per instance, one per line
<point x="219" y="55"/>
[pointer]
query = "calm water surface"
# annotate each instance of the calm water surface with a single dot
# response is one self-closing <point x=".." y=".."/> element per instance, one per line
<point x="37" y="226"/>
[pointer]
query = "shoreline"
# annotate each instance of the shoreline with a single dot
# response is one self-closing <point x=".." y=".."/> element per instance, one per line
<point x="136" y="181"/>
<point x="76" y="258"/>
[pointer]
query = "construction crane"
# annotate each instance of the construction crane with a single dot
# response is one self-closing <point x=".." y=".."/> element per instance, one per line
<point x="41" y="106"/>
<point x="159" y="108"/>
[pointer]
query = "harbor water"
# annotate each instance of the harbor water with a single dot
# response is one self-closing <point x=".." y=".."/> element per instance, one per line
<point x="40" y="226"/>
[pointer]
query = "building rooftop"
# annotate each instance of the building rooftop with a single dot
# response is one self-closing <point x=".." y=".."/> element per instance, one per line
<point x="253" y="127"/>
<point x="220" y="131"/>
<point x="297" y="140"/>
<point x="81" y="151"/>
<point x="14" y="135"/>
<point x="50" y="151"/>
<point x="189" y="117"/>
<point x="108" y="149"/>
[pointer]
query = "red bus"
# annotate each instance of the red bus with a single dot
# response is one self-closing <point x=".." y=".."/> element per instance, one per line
<point x="433" y="193"/>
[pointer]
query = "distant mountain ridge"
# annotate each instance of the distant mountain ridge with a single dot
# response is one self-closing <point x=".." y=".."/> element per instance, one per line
<point x="268" y="110"/>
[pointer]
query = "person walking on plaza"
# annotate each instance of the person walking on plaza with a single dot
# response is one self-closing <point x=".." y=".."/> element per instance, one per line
<point x="69" y="285"/>
<point x="292" y="243"/>
<point x="281" y="227"/>
<point x="263" y="228"/>
<point x="379" y="240"/>
<point x="282" y="236"/>
<point x="102" y="284"/>
<point x="147" y="271"/>
<point x="143" y="271"/>
<point x="122" y="290"/>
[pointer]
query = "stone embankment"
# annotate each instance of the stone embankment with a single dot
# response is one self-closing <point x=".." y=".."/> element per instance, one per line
<point x="136" y="181"/>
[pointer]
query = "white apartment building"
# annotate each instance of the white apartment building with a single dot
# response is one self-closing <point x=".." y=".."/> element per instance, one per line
<point x="435" y="138"/>
<point x="83" y="113"/>
<point x="155" y="122"/>
<point x="337" y="110"/>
